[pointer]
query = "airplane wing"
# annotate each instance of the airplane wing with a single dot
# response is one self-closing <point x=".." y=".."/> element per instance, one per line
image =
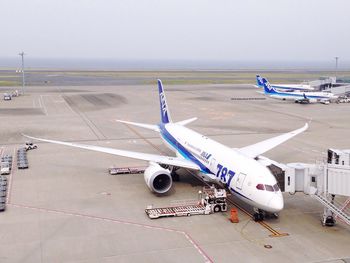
<point x="259" y="148"/>
<point x="173" y="161"/>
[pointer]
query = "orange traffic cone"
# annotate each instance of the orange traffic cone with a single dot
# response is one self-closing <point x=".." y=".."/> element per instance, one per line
<point x="234" y="216"/>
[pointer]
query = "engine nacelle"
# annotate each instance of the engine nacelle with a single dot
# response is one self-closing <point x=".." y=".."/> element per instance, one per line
<point x="158" y="179"/>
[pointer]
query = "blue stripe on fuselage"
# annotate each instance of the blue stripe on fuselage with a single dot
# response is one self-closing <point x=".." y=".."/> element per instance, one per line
<point x="187" y="155"/>
<point x="182" y="150"/>
<point x="286" y="88"/>
<point x="298" y="95"/>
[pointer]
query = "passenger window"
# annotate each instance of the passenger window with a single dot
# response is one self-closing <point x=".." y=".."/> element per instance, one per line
<point x="260" y="187"/>
<point x="276" y="187"/>
<point x="269" y="188"/>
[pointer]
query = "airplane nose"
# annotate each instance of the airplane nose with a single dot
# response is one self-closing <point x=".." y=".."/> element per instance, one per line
<point x="276" y="203"/>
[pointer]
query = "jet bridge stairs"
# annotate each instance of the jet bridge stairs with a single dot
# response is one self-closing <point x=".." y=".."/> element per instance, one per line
<point x="333" y="209"/>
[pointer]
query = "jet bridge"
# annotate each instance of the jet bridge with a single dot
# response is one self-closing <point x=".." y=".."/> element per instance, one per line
<point x="328" y="181"/>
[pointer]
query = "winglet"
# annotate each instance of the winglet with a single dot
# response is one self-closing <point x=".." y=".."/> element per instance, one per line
<point x="164" y="110"/>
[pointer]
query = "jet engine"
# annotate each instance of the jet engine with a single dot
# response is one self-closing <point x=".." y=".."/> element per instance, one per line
<point x="158" y="179"/>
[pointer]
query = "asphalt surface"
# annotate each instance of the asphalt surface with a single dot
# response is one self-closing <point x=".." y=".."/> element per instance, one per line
<point x="66" y="208"/>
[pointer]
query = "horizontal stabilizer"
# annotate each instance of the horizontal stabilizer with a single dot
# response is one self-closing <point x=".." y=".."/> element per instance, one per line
<point x="143" y="125"/>
<point x="185" y="122"/>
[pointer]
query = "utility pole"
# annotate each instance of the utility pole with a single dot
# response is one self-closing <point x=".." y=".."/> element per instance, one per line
<point x="336" y="67"/>
<point x="23" y="83"/>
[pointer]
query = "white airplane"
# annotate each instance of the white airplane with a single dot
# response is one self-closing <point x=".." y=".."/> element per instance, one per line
<point x="284" y="87"/>
<point x="237" y="169"/>
<point x="298" y="96"/>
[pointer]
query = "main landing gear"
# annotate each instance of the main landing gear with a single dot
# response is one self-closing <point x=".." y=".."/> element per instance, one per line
<point x="174" y="175"/>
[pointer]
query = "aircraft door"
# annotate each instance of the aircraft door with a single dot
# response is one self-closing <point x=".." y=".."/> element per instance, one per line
<point x="213" y="164"/>
<point x="240" y="180"/>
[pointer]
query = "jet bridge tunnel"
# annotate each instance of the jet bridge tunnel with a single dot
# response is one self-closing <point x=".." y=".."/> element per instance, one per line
<point x="328" y="181"/>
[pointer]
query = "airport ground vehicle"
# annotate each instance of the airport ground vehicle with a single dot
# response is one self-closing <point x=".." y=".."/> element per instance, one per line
<point x="7" y="96"/>
<point x="22" y="165"/>
<point x="3" y="178"/>
<point x="6" y="158"/>
<point x="5" y="168"/>
<point x="22" y="161"/>
<point x="125" y="170"/>
<point x="343" y="99"/>
<point x="212" y="200"/>
<point x="30" y="146"/>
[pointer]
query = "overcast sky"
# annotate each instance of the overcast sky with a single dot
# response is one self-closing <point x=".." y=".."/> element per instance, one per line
<point x="176" y="29"/>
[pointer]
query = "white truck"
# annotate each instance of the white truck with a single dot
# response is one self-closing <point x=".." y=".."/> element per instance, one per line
<point x="7" y="96"/>
<point x="211" y="200"/>
<point x="30" y="146"/>
<point x="5" y="168"/>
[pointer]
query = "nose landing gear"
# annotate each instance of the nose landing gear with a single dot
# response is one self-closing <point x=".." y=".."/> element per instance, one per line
<point x="259" y="215"/>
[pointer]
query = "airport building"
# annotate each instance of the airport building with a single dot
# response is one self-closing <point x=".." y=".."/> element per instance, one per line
<point x="331" y="84"/>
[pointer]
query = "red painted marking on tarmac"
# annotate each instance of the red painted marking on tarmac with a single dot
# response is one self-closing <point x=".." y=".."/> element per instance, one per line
<point x="113" y="220"/>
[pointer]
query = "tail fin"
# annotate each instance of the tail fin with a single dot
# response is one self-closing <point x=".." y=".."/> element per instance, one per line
<point x="268" y="89"/>
<point x="164" y="110"/>
<point x="259" y="81"/>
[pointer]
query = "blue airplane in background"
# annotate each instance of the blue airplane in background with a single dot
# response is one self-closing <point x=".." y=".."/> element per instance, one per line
<point x="298" y="96"/>
<point x="284" y="87"/>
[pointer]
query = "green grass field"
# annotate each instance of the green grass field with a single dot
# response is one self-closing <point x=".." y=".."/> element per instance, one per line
<point x="46" y="77"/>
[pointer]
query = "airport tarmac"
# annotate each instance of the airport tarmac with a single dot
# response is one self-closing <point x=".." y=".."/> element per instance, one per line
<point x="67" y="208"/>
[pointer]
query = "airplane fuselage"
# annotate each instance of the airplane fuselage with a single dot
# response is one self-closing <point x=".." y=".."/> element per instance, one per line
<point x="296" y="95"/>
<point x="243" y="176"/>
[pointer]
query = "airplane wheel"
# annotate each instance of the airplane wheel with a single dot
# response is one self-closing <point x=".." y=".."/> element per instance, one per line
<point x="258" y="217"/>
<point x="217" y="209"/>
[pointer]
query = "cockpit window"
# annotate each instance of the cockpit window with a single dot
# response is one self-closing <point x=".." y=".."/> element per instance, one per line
<point x="268" y="187"/>
<point x="260" y="187"/>
<point x="276" y="187"/>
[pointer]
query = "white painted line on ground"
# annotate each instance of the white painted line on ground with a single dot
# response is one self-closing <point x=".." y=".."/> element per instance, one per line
<point x="118" y="221"/>
<point x="42" y="103"/>
<point x="68" y="106"/>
